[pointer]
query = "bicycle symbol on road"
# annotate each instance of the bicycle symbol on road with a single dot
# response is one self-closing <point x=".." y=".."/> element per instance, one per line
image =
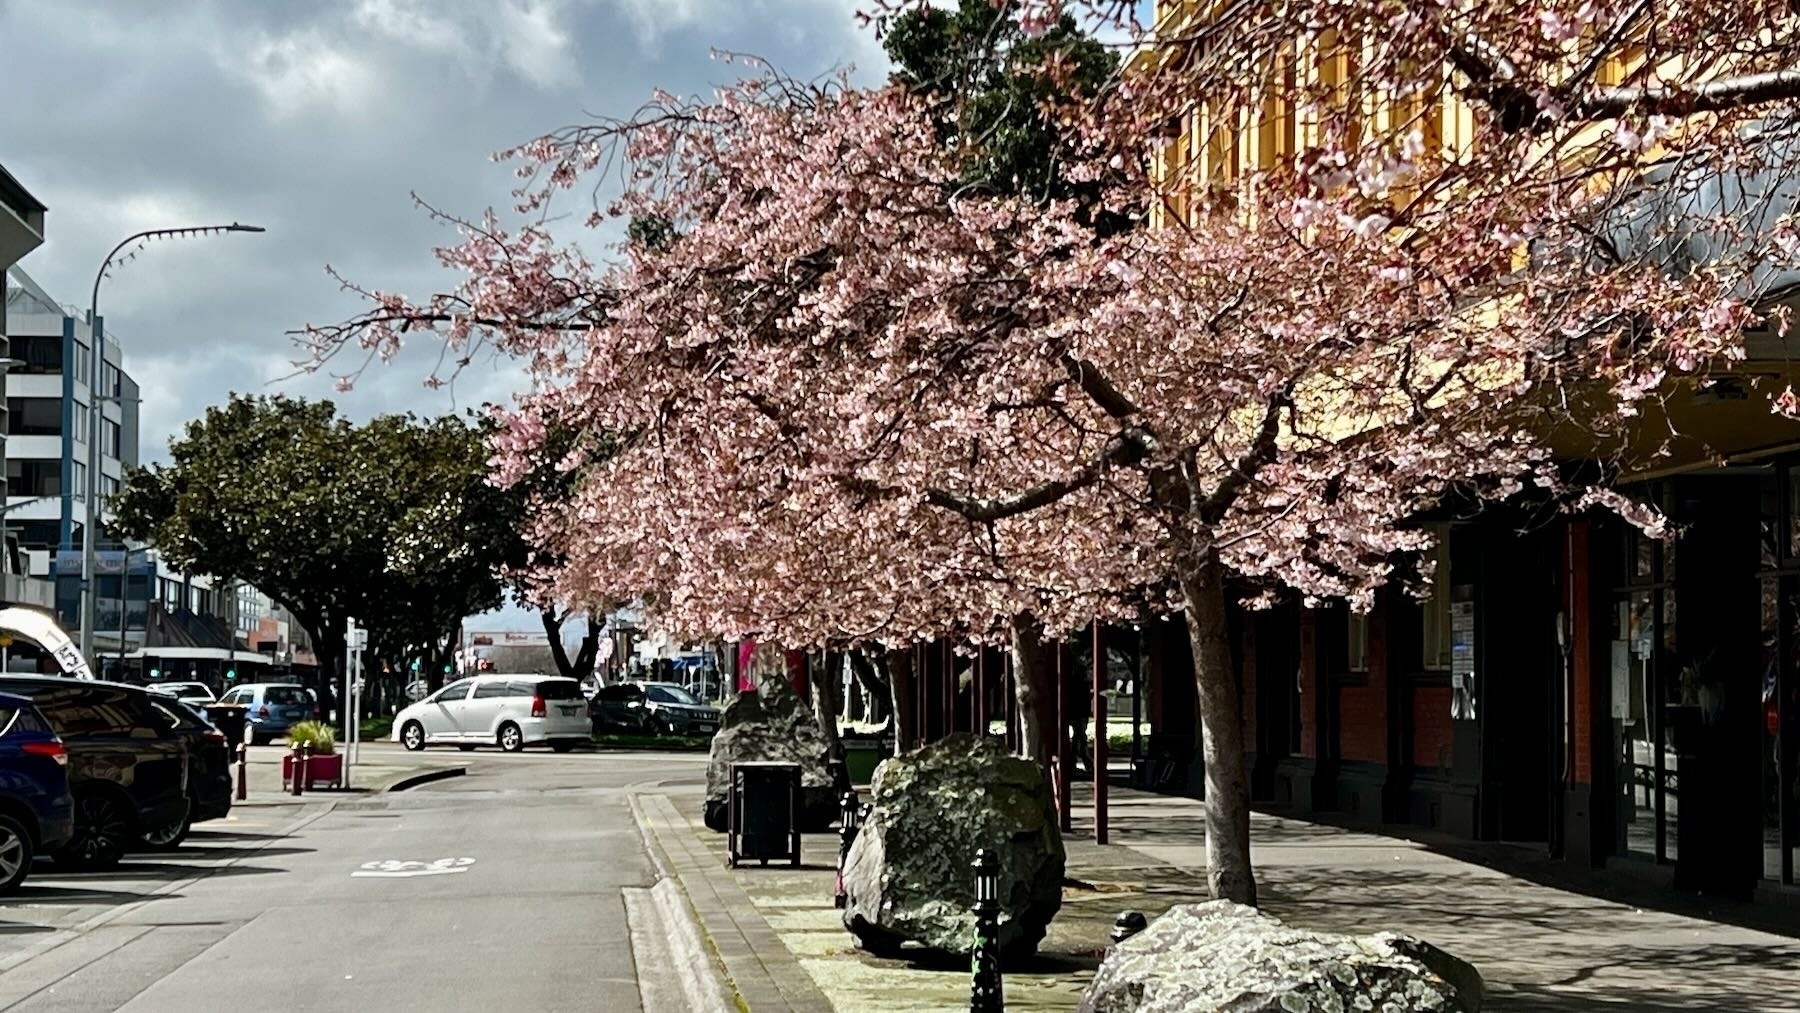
<point x="396" y="869"/>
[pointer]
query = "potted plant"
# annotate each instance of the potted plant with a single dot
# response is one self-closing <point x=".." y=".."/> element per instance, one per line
<point x="326" y="766"/>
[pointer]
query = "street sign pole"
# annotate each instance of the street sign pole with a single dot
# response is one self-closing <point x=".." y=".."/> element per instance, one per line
<point x="344" y="699"/>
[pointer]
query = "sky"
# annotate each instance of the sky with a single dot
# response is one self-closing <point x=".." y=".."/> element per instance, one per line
<point x="317" y="119"/>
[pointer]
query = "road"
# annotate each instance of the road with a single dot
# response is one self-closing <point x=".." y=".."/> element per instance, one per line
<point x="498" y="890"/>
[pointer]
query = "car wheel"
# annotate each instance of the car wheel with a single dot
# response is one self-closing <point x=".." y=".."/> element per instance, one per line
<point x="15" y="854"/>
<point x="412" y="736"/>
<point x="102" y="831"/>
<point x="511" y="739"/>
<point x="562" y="747"/>
<point x="170" y="837"/>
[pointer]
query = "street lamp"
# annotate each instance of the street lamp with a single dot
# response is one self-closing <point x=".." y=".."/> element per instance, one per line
<point x="125" y="601"/>
<point x="96" y="418"/>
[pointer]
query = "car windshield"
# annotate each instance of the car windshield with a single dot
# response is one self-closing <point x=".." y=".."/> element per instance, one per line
<point x="671" y="694"/>
<point x="286" y="696"/>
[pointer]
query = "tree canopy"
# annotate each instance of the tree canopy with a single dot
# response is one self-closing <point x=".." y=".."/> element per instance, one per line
<point x="392" y="522"/>
<point x="858" y="399"/>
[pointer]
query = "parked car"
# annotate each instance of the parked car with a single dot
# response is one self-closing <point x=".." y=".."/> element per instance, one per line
<point x="271" y="708"/>
<point x="209" y="780"/>
<point x="197" y="693"/>
<point x="37" y="813"/>
<point x="620" y="709"/>
<point x="510" y="711"/>
<point x="673" y="710"/>
<point x="127" y="767"/>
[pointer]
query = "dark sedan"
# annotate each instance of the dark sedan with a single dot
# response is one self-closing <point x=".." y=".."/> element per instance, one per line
<point x="209" y="781"/>
<point x="127" y="766"/>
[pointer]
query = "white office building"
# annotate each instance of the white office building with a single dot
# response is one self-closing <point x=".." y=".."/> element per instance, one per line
<point x="21" y="231"/>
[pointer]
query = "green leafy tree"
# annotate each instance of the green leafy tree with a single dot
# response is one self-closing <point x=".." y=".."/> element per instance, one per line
<point x="392" y="522"/>
<point x="999" y="90"/>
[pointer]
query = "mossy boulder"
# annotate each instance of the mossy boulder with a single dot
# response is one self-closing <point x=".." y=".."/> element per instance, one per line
<point x="1221" y="957"/>
<point x="772" y="724"/>
<point x="908" y="877"/>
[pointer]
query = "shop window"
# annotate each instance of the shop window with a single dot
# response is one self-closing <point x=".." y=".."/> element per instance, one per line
<point x="1358" y="642"/>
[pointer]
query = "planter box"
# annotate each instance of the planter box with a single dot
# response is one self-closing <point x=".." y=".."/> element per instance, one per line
<point x="322" y="771"/>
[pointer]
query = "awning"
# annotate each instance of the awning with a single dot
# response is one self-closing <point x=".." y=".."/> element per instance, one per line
<point x="199" y="654"/>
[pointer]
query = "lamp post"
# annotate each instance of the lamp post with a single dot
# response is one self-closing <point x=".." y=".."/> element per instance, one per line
<point x="96" y="418"/>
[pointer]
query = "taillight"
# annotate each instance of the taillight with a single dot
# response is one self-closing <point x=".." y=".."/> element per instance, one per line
<point x="53" y="749"/>
<point x="264" y="712"/>
<point x="537" y="707"/>
<point x="215" y="737"/>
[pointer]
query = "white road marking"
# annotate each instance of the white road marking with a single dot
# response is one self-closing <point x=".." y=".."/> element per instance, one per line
<point x="397" y="869"/>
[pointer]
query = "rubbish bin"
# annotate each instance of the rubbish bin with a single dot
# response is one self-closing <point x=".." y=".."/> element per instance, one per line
<point x="764" y="810"/>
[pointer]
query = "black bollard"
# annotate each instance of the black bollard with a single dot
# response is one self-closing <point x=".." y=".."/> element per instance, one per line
<point x="849" y="814"/>
<point x="1128" y="924"/>
<point x="986" y="994"/>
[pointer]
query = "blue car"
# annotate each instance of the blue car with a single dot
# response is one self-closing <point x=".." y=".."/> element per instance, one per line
<point x="271" y="708"/>
<point x="37" y="814"/>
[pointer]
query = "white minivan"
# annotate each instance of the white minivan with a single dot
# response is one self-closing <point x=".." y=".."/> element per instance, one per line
<point x="509" y="711"/>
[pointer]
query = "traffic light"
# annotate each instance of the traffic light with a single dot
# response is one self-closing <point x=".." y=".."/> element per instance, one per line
<point x="446" y="668"/>
<point x="156" y="673"/>
<point x="231" y="675"/>
<point x="415" y="664"/>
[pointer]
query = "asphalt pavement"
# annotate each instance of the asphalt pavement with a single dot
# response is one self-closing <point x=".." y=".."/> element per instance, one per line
<point x="497" y="890"/>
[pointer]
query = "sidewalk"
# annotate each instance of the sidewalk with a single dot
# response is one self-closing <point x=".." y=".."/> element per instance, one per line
<point x="381" y="767"/>
<point x="1541" y="948"/>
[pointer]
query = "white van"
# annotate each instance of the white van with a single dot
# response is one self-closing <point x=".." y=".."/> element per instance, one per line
<point x="509" y="711"/>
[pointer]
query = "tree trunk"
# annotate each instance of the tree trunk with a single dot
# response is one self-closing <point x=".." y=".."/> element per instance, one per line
<point x="877" y="696"/>
<point x="1030" y="688"/>
<point x="1228" y="870"/>
<point x="900" y="685"/>
<point x="825" y="701"/>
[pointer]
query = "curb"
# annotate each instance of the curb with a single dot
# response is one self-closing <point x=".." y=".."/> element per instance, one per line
<point x="414" y="780"/>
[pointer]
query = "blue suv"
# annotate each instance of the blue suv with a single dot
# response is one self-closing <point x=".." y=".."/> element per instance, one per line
<point x="37" y="814"/>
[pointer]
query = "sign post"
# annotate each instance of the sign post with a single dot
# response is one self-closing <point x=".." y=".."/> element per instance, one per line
<point x="354" y="641"/>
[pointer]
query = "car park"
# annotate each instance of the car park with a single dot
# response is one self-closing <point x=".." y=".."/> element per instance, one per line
<point x="509" y="711"/>
<point x="127" y="768"/>
<point x="37" y="813"/>
<point x="271" y="708"/>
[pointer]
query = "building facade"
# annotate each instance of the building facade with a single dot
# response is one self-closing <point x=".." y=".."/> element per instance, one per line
<point x="21" y="231"/>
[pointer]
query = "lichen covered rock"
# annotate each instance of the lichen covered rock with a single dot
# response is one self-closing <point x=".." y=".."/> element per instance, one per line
<point x="908" y="876"/>
<point x="1221" y="957"/>
<point x="772" y="724"/>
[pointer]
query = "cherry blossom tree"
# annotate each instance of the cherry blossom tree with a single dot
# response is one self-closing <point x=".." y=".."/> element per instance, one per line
<point x="849" y="399"/>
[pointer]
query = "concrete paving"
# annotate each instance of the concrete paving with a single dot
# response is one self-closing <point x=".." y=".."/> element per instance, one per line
<point x="500" y="889"/>
<point x="1542" y="945"/>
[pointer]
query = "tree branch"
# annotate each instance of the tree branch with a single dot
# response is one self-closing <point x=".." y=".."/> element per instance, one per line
<point x="1123" y="449"/>
<point x="1260" y="451"/>
<point x="1709" y="96"/>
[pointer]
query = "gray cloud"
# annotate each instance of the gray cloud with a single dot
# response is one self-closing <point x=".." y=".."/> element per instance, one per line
<point x="316" y="120"/>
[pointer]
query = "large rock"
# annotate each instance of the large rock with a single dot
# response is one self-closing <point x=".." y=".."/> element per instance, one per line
<point x="908" y="875"/>
<point x="772" y="724"/>
<point x="1220" y="957"/>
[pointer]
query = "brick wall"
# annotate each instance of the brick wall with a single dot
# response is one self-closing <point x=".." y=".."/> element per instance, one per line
<point x="1432" y="733"/>
<point x="1363" y="709"/>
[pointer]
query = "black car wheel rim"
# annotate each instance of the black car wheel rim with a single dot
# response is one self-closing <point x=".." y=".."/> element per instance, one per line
<point x="12" y="854"/>
<point x="166" y="835"/>
<point x="101" y="829"/>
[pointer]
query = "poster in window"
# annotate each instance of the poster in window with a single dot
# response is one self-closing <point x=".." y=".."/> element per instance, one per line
<point x="1462" y="657"/>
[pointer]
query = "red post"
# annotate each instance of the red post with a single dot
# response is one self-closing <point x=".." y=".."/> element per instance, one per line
<point x="243" y="771"/>
<point x="294" y="770"/>
<point x="1099" y="736"/>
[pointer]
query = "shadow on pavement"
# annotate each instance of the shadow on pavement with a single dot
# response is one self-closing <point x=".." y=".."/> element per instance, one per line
<point x="166" y="871"/>
<point x="229" y="835"/>
<point x="29" y="894"/>
<point x="216" y="852"/>
<point x="21" y="929"/>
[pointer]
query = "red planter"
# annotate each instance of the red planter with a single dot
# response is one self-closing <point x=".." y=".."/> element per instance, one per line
<point x="322" y="771"/>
